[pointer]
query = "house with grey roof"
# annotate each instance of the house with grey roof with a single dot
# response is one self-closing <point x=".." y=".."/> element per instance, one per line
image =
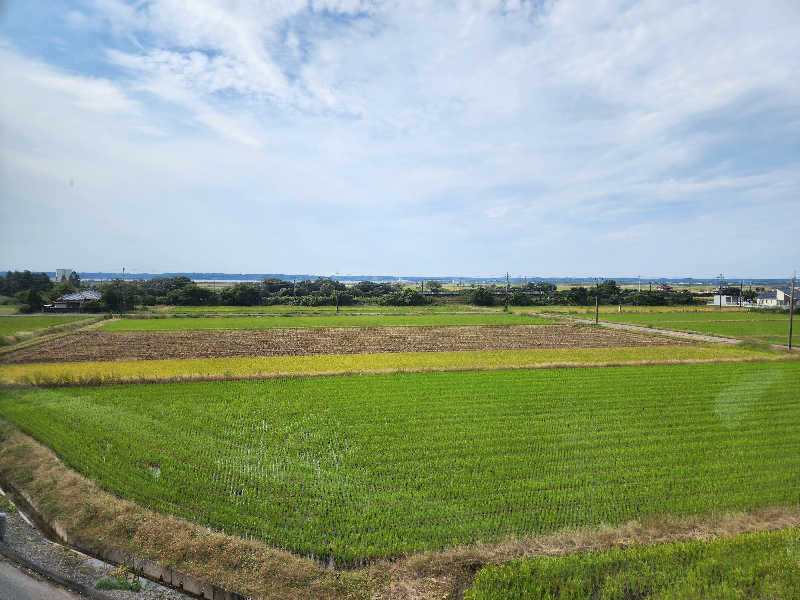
<point x="74" y="301"/>
<point x="777" y="297"/>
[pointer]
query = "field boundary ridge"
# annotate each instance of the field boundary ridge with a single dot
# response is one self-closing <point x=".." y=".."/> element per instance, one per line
<point x="101" y="524"/>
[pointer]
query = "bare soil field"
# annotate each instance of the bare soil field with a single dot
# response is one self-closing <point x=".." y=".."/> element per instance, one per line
<point x="101" y="345"/>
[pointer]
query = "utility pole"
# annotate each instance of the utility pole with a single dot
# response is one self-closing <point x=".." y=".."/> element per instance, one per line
<point x="720" y="291"/>
<point x="122" y="308"/>
<point x="791" y="308"/>
<point x="596" y="301"/>
<point x="507" y="288"/>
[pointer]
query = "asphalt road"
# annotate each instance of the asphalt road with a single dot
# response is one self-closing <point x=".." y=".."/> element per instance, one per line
<point x="19" y="584"/>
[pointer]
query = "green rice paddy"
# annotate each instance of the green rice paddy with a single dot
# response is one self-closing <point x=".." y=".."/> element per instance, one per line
<point x="379" y="465"/>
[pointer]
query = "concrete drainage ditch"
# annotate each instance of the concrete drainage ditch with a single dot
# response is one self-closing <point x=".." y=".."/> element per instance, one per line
<point x="151" y="570"/>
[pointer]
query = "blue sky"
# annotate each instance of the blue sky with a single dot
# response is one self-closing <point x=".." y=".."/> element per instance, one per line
<point x="610" y="138"/>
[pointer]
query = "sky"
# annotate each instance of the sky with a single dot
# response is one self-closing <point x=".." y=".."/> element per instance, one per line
<point x="541" y="138"/>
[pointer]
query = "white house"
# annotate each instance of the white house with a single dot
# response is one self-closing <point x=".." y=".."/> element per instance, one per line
<point x="729" y="301"/>
<point x="777" y="298"/>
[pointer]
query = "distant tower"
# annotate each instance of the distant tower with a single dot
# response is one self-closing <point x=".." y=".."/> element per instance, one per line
<point x="63" y="274"/>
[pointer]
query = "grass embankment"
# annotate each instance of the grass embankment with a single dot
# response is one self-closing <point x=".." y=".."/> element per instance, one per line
<point x="762" y="565"/>
<point x="15" y="325"/>
<point x="14" y="329"/>
<point x="281" y="309"/>
<point x="626" y="309"/>
<point x="287" y="321"/>
<point x="755" y="326"/>
<point x="380" y="465"/>
<point x="71" y="373"/>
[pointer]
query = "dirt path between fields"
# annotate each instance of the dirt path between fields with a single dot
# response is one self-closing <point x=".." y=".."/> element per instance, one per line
<point x="686" y="335"/>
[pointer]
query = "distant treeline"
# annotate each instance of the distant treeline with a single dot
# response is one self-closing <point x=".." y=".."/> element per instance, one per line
<point x="608" y="292"/>
<point x="322" y="291"/>
<point x="32" y="290"/>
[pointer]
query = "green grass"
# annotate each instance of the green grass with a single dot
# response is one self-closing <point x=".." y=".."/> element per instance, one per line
<point x="290" y="309"/>
<point x="16" y="325"/>
<point x="379" y="465"/>
<point x="8" y="309"/>
<point x="754" y="565"/>
<point x="263" y="366"/>
<point x="269" y="322"/>
<point x="756" y="326"/>
<point x="626" y="309"/>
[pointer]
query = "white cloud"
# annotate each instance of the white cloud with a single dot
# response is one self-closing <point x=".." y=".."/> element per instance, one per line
<point x="360" y="122"/>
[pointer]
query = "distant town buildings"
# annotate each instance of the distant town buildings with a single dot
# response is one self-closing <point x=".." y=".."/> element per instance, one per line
<point x="63" y="274"/>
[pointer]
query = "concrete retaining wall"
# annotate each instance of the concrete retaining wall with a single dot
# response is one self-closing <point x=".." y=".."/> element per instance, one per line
<point x="189" y="584"/>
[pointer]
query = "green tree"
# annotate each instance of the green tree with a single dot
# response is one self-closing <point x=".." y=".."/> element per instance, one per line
<point x="242" y="294"/>
<point x="480" y="296"/>
<point x="61" y="289"/>
<point x="191" y="295"/>
<point x="750" y="295"/>
<point x="519" y="298"/>
<point x="118" y="296"/>
<point x="434" y="287"/>
<point x="31" y="301"/>
<point x="578" y="295"/>
<point x="407" y="297"/>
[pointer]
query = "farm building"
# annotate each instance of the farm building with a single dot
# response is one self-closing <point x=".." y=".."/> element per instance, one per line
<point x="729" y="301"/>
<point x="777" y="297"/>
<point x="71" y="302"/>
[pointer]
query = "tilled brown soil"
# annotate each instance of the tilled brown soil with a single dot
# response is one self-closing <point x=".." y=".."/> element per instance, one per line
<point x="103" y="345"/>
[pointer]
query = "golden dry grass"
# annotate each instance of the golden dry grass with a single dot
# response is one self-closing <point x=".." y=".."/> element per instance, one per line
<point x="205" y="369"/>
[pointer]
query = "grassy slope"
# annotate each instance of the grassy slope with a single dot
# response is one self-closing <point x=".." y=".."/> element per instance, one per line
<point x="626" y="309"/>
<point x="267" y="322"/>
<point x="13" y="325"/>
<point x="133" y="370"/>
<point x="756" y="565"/>
<point x="290" y="309"/>
<point x="385" y="464"/>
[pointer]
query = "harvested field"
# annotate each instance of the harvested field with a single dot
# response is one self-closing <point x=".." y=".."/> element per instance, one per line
<point x="101" y="345"/>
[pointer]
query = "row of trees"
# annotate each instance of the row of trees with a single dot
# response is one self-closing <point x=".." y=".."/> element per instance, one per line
<point x="607" y="292"/>
<point x="32" y="290"/>
<point x="181" y="291"/>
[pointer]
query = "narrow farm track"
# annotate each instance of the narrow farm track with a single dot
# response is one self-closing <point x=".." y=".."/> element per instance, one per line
<point x="102" y="345"/>
<point x="686" y="335"/>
